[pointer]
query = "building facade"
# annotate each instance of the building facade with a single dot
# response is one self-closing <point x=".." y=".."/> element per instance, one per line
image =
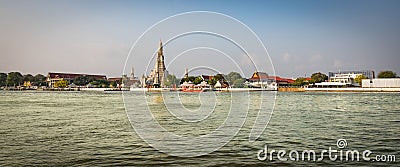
<point x="381" y="83"/>
<point x="262" y="80"/>
<point x="345" y="78"/>
<point x="53" y="77"/>
<point x="368" y="73"/>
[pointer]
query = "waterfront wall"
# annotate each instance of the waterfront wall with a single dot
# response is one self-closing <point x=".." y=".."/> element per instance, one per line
<point x="355" y="89"/>
<point x="287" y="89"/>
<point x="93" y="89"/>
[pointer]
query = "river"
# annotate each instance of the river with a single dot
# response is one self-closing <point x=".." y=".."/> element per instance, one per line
<point x="93" y="129"/>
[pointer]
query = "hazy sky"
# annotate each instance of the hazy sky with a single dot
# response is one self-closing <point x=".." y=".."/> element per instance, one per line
<point x="302" y="37"/>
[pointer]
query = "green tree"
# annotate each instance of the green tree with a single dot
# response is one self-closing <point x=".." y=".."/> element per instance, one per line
<point x="39" y="80"/>
<point x="212" y="81"/>
<point x="300" y="82"/>
<point x="232" y="77"/>
<point x="14" y="79"/>
<point x="113" y="84"/>
<point x="3" y="79"/>
<point x="104" y="83"/>
<point x="220" y="77"/>
<point x="318" y="77"/>
<point x="171" y="80"/>
<point x="190" y="78"/>
<point x="83" y="80"/>
<point x="359" y="79"/>
<point x="387" y="74"/>
<point x="61" y="84"/>
<point x="239" y="83"/>
<point x="100" y="83"/>
<point x="197" y="80"/>
<point x="28" y="77"/>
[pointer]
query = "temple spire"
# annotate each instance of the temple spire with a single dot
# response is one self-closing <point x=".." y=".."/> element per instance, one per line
<point x="160" y="48"/>
<point x="186" y="75"/>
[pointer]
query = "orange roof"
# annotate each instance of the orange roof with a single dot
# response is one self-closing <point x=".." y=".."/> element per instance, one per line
<point x="279" y="79"/>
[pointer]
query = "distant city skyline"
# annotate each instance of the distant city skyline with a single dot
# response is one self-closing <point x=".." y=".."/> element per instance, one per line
<point x="302" y="37"/>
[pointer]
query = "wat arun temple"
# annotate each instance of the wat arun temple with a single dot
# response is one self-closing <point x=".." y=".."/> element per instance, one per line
<point x="158" y="74"/>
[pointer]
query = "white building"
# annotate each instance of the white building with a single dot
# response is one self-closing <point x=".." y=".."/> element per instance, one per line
<point x="262" y="80"/>
<point x="381" y="83"/>
<point x="344" y="79"/>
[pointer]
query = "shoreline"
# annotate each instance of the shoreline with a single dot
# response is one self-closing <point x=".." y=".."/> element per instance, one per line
<point x="281" y="89"/>
<point x="352" y="89"/>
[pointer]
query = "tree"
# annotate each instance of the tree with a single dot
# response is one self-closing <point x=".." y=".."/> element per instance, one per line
<point x="14" y="79"/>
<point x="61" y="84"/>
<point x="100" y="83"/>
<point x="220" y="77"/>
<point x="197" y="80"/>
<point x="28" y="77"/>
<point x="300" y="82"/>
<point x="39" y="80"/>
<point x="359" y="79"/>
<point x="318" y="77"/>
<point x="83" y="80"/>
<point x="239" y="83"/>
<point x="387" y="74"/>
<point x="171" y="80"/>
<point x="232" y="77"/>
<point x="189" y="78"/>
<point x="113" y="84"/>
<point x="212" y="81"/>
<point x="3" y="79"/>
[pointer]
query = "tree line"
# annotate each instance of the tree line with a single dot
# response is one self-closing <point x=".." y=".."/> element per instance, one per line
<point x="14" y="79"/>
<point x="17" y="79"/>
<point x="85" y="81"/>
<point x="234" y="79"/>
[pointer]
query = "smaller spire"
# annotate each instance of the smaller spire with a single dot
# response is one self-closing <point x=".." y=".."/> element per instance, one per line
<point x="186" y="73"/>
<point x="132" y="73"/>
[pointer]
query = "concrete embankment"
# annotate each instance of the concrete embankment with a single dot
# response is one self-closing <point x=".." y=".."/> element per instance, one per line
<point x="353" y="89"/>
<point x="356" y="89"/>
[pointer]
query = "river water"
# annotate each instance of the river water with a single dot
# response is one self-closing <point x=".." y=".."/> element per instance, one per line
<point x="93" y="129"/>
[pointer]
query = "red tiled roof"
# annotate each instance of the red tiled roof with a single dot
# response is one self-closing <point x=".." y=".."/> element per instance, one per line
<point x="279" y="79"/>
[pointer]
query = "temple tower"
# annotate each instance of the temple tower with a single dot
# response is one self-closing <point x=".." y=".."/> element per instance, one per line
<point x="159" y="69"/>
<point x="186" y="75"/>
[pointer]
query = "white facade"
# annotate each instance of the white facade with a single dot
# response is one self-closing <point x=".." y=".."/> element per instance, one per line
<point x="267" y="84"/>
<point x="341" y="79"/>
<point x="347" y="79"/>
<point x="381" y="83"/>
